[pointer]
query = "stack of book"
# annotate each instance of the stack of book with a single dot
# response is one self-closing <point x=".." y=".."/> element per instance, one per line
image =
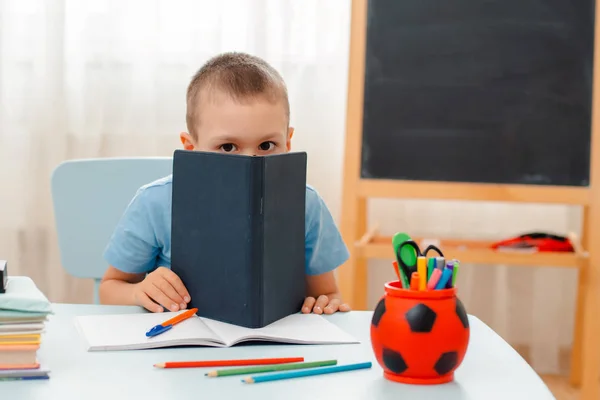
<point x="23" y="314"/>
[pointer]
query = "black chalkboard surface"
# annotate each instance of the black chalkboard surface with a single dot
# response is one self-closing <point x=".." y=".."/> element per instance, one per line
<point x="488" y="91"/>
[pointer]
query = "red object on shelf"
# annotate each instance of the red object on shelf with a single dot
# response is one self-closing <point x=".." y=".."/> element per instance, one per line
<point x="536" y="240"/>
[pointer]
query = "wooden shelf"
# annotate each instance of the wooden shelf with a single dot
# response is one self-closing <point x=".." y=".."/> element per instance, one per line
<point x="474" y="252"/>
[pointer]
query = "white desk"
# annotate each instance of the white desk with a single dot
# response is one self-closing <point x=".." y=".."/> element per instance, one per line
<point x="491" y="369"/>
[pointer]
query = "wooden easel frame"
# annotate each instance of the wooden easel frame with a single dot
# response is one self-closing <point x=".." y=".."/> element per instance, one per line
<point x="364" y="244"/>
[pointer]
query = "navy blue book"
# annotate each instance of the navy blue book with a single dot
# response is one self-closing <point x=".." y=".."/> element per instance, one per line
<point x="238" y="234"/>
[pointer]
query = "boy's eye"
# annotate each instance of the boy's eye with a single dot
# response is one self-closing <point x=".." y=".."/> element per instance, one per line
<point x="266" y="146"/>
<point x="228" y="147"/>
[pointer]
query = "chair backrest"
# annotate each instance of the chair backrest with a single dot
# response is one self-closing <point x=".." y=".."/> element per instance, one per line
<point x="89" y="198"/>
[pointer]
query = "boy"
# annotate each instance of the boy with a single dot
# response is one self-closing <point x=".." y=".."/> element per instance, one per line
<point x="238" y="104"/>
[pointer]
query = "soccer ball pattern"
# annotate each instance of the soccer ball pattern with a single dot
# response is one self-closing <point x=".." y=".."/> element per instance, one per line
<point x="420" y="340"/>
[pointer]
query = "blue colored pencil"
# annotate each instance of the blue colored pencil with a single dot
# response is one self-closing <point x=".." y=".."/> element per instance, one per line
<point x="306" y="372"/>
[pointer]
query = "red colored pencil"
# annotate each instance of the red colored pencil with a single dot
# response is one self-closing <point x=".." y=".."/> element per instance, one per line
<point x="228" y="363"/>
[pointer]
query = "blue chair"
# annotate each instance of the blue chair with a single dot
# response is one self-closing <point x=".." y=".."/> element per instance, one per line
<point x="89" y="197"/>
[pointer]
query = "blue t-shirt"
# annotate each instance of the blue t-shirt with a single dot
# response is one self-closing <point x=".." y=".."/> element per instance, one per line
<point x="141" y="241"/>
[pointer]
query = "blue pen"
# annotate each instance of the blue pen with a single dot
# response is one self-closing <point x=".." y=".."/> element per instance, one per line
<point x="165" y="326"/>
<point x="446" y="275"/>
<point x="306" y="372"/>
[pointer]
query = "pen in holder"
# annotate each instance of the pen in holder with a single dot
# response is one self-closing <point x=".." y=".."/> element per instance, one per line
<point x="420" y="333"/>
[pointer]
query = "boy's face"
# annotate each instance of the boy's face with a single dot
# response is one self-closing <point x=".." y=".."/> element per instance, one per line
<point x="253" y="127"/>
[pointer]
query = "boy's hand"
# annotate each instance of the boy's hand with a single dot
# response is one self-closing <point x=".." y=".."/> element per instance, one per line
<point x="164" y="287"/>
<point x="324" y="304"/>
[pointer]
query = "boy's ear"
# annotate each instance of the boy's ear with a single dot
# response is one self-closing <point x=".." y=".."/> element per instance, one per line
<point x="186" y="141"/>
<point x="288" y="143"/>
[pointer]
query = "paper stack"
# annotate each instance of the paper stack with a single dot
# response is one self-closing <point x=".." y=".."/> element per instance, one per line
<point x="23" y="313"/>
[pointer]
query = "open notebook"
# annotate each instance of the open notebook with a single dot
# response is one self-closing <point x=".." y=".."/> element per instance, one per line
<point x="128" y="332"/>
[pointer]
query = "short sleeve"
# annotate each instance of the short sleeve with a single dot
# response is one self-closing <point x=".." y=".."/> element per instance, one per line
<point x="325" y="249"/>
<point x="133" y="247"/>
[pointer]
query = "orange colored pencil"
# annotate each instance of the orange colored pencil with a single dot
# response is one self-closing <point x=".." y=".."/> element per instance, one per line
<point x="180" y="317"/>
<point x="228" y="363"/>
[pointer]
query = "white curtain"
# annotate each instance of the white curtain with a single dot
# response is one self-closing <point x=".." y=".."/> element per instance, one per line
<point x="103" y="78"/>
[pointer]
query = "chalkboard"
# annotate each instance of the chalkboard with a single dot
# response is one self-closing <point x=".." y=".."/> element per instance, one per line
<point x="487" y="91"/>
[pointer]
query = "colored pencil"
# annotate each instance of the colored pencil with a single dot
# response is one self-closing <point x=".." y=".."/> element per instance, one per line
<point x="227" y="363"/>
<point x="270" y="368"/>
<point x="306" y="372"/>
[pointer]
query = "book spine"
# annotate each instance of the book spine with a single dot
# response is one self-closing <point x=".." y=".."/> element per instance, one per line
<point x="258" y="238"/>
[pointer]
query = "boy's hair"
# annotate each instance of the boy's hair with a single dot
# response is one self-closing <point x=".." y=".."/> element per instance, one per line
<point x="240" y="76"/>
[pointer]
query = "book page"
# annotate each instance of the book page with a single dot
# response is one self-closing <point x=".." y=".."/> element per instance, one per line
<point x="128" y="332"/>
<point x="295" y="328"/>
<point x="22" y="328"/>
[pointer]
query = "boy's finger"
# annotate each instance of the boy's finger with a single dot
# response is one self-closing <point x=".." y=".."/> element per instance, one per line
<point x="158" y="296"/>
<point x="148" y="304"/>
<point x="344" y="307"/>
<point x="333" y="306"/>
<point x="309" y="302"/>
<point x="170" y="292"/>
<point x="176" y="282"/>
<point x="320" y="304"/>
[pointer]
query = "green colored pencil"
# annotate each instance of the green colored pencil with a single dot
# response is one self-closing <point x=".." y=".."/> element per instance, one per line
<point x="269" y="368"/>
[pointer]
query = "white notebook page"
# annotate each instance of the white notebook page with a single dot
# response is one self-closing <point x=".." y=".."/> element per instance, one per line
<point x="128" y="331"/>
<point x="295" y="328"/>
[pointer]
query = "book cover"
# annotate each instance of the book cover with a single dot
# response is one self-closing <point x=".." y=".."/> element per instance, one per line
<point x="238" y="234"/>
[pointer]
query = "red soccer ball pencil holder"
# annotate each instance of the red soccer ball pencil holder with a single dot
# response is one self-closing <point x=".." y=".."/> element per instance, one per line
<point x="420" y="328"/>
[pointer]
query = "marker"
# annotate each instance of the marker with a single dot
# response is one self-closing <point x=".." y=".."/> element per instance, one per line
<point x="450" y="266"/>
<point x="435" y="277"/>
<point x="414" y="281"/>
<point x="165" y="326"/>
<point x="441" y="263"/>
<point x="431" y="264"/>
<point x="422" y="270"/>
<point x="306" y="372"/>
<point x="455" y="273"/>
<point x="446" y="275"/>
